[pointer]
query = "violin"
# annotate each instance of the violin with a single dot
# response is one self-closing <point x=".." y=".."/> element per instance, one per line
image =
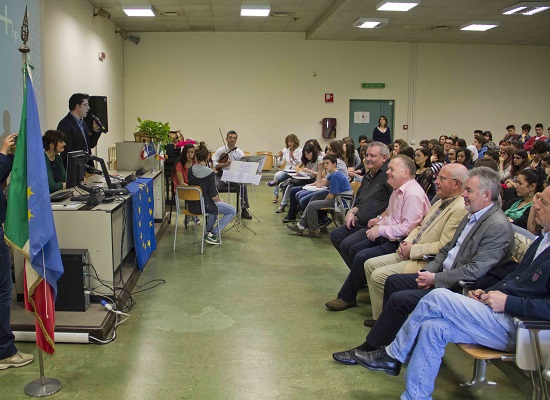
<point x="225" y="156"/>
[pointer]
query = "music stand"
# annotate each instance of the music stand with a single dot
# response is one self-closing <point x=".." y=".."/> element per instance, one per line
<point x="241" y="173"/>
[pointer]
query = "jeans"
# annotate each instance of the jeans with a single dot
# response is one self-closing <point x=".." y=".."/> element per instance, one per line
<point x="7" y="347"/>
<point x="356" y="278"/>
<point x="443" y="317"/>
<point x="293" y="209"/>
<point x="401" y="295"/>
<point x="280" y="177"/>
<point x="343" y="239"/>
<point x="228" y="212"/>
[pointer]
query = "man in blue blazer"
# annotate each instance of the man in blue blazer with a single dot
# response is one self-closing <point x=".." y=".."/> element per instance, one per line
<point x="485" y="317"/>
<point x="483" y="240"/>
<point x="77" y="135"/>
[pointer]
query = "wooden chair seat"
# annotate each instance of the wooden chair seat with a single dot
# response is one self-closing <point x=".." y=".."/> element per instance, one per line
<point x="481" y="352"/>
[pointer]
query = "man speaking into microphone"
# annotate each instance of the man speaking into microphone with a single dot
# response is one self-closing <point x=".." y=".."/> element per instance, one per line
<point x="77" y="135"/>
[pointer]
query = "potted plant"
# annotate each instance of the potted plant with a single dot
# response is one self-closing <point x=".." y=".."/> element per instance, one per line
<point x="153" y="130"/>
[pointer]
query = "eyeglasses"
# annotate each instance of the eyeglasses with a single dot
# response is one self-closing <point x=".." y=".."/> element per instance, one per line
<point x="84" y="105"/>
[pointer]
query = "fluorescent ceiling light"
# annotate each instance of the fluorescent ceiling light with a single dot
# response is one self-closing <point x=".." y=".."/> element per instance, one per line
<point x="397" y="5"/>
<point x="370" y="22"/>
<point x="479" y="26"/>
<point x="255" y="11"/>
<point x="138" y="11"/>
<point x="527" y="8"/>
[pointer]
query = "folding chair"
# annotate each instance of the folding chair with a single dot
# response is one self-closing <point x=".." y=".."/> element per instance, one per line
<point x="183" y="195"/>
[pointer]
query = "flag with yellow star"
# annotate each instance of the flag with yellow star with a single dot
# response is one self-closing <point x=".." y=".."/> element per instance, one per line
<point x="29" y="227"/>
<point x="143" y="219"/>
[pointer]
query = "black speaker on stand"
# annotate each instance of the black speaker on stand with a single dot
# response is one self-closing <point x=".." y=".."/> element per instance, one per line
<point x="98" y="107"/>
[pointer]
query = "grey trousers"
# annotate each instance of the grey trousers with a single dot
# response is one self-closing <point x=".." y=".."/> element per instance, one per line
<point x="310" y="217"/>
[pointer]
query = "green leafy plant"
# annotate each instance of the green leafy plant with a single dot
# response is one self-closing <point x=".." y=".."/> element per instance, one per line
<point x="157" y="130"/>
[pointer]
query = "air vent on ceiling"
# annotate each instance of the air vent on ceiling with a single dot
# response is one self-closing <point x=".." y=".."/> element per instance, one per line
<point x="441" y="27"/>
<point x="170" y="13"/>
<point x="280" y="14"/>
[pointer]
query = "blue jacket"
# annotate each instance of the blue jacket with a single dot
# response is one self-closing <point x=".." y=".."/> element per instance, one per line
<point x="528" y="287"/>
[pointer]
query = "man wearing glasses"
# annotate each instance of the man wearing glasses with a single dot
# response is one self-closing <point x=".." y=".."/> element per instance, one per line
<point x="77" y="135"/>
<point x="448" y="145"/>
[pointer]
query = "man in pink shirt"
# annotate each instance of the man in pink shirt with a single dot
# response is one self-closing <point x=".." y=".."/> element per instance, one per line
<point x="407" y="207"/>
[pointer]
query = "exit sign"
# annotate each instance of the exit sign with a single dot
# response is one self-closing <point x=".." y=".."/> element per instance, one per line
<point x="373" y="85"/>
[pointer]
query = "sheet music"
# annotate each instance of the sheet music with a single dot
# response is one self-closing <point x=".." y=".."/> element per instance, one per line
<point x="242" y="172"/>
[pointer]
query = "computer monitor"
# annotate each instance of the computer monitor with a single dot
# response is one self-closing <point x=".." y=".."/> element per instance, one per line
<point x="76" y="167"/>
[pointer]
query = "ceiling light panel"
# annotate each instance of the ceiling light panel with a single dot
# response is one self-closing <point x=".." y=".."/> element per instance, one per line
<point x="138" y="11"/>
<point x="370" y="23"/>
<point x="479" y="26"/>
<point x="526" y="8"/>
<point x="255" y="11"/>
<point x="397" y="5"/>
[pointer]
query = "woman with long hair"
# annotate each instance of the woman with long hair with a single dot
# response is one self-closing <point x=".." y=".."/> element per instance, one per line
<point x="506" y="156"/>
<point x="424" y="174"/>
<point x="464" y="157"/>
<point x="181" y="168"/>
<point x="520" y="161"/>
<point x="352" y="156"/>
<point x="200" y="175"/>
<point x="398" y="144"/>
<point x="290" y="157"/>
<point x="517" y="210"/>
<point x="382" y="132"/>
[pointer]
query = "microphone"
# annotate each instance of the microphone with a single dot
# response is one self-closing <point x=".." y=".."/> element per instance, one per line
<point x="97" y="121"/>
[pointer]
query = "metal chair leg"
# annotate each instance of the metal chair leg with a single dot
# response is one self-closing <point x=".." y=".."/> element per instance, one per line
<point x="479" y="379"/>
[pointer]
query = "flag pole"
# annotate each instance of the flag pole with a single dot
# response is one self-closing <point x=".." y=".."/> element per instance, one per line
<point x="44" y="386"/>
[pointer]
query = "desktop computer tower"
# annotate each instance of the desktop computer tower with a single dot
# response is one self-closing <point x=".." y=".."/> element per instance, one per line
<point x="73" y="287"/>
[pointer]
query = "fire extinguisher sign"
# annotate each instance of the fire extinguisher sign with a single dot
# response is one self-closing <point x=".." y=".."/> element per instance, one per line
<point x="329" y="98"/>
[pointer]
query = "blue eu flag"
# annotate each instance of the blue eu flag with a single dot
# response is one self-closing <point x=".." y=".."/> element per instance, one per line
<point x="143" y="219"/>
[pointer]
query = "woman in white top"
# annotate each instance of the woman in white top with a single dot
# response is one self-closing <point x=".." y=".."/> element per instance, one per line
<point x="291" y="156"/>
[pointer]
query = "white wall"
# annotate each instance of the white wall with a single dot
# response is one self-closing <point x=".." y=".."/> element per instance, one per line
<point x="72" y="39"/>
<point x="262" y="85"/>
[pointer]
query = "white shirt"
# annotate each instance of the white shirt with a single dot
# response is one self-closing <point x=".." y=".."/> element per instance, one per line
<point x="235" y="155"/>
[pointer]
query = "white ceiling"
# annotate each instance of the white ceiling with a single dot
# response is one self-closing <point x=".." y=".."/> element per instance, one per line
<point x="333" y="19"/>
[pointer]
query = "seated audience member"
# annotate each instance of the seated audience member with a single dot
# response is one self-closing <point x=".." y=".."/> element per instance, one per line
<point x="54" y="144"/>
<point x="432" y="143"/>
<point x="338" y="185"/>
<point x="486" y="162"/>
<point x="181" y="167"/>
<point x="485" y="317"/>
<point x="442" y="139"/>
<point x="356" y="174"/>
<point x="424" y="174"/>
<point x="200" y="175"/>
<point x="364" y="140"/>
<point x="290" y="157"/>
<point x="506" y="156"/>
<point x="371" y="200"/>
<point x="539" y="135"/>
<point x="438" y="159"/>
<point x="492" y="155"/>
<point x="520" y="161"/>
<point x="483" y="240"/>
<point x="435" y="231"/>
<point x="407" y="151"/>
<point x="407" y="207"/>
<point x="424" y="143"/>
<point x="464" y="157"/>
<point x="517" y="210"/>
<point x="172" y="150"/>
<point x="546" y="169"/>
<point x="525" y="137"/>
<point x="510" y="134"/>
<point x="516" y="145"/>
<point x="352" y="157"/>
<point x="479" y="144"/>
<point x="540" y="149"/>
<point x="398" y="144"/>
<point x="460" y="144"/>
<point x="488" y="136"/>
<point x="451" y="156"/>
<point x="308" y="166"/>
<point x="473" y="151"/>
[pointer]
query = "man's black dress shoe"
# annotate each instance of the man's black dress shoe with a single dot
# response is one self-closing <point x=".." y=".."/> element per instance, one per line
<point x="344" y="357"/>
<point x="369" y="323"/>
<point x="377" y="360"/>
<point x="288" y="219"/>
<point x="245" y="214"/>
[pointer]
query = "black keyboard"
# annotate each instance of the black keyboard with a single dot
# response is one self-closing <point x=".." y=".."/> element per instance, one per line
<point x="60" y="195"/>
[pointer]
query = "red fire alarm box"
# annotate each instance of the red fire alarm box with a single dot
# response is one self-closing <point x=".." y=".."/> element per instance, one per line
<point x="329" y="98"/>
<point x="329" y="128"/>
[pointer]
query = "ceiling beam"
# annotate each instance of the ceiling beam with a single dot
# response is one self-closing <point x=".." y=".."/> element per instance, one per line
<point x="329" y="12"/>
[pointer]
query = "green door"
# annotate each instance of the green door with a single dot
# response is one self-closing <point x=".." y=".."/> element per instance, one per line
<point x="364" y="115"/>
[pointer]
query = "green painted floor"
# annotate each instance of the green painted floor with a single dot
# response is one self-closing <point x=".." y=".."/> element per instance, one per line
<point x="244" y="321"/>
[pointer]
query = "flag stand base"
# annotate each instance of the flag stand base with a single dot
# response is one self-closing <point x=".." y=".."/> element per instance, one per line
<point x="44" y="386"/>
<point x="37" y="389"/>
